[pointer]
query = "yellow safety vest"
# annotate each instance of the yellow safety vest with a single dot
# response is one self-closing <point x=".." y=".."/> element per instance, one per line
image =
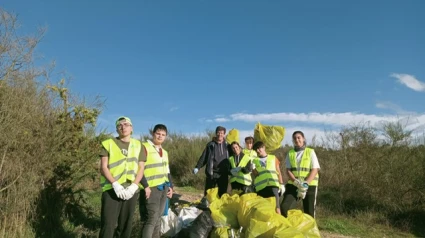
<point x="267" y="176"/>
<point x="123" y="168"/>
<point x="156" y="167"/>
<point x="241" y="178"/>
<point x="302" y="172"/>
<point x="250" y="153"/>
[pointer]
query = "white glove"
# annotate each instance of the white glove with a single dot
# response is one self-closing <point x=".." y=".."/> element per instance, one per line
<point x="131" y="190"/>
<point x="235" y="171"/>
<point x="301" y="194"/>
<point x="195" y="170"/>
<point x="119" y="190"/>
<point x="298" y="183"/>
<point x="282" y="189"/>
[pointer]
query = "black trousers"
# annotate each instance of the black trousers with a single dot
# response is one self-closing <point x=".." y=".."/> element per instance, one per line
<point x="116" y="215"/>
<point x="151" y="211"/>
<point x="270" y="191"/>
<point x="290" y="200"/>
<point x="217" y="180"/>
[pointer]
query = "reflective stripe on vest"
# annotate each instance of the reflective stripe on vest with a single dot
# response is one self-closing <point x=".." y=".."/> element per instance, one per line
<point x="122" y="167"/>
<point x="241" y="178"/>
<point x="156" y="167"/>
<point x="303" y="171"/>
<point x="266" y="176"/>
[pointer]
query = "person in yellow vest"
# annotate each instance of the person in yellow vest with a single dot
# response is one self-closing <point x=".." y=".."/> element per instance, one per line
<point x="122" y="167"/>
<point x="248" y="150"/>
<point x="268" y="180"/>
<point x="156" y="183"/>
<point x="241" y="168"/>
<point x="302" y="167"/>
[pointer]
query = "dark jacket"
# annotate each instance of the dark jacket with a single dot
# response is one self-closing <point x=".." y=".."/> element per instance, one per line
<point x="216" y="158"/>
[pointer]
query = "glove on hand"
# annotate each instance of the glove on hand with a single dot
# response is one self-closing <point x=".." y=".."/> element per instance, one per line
<point x="131" y="190"/>
<point x="303" y="187"/>
<point x="235" y="171"/>
<point x="301" y="194"/>
<point x="282" y="189"/>
<point x="298" y="183"/>
<point x="195" y="171"/>
<point x="119" y="190"/>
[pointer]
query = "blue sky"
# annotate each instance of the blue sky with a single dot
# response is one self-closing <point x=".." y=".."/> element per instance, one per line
<point x="196" y="64"/>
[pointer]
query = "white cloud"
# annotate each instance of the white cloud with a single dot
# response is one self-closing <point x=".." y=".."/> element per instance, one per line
<point x="221" y="119"/>
<point x="328" y="118"/>
<point x="410" y="81"/>
<point x="393" y="107"/>
<point x="174" y="109"/>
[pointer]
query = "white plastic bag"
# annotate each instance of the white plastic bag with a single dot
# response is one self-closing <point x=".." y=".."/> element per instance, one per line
<point x="186" y="216"/>
<point x="169" y="224"/>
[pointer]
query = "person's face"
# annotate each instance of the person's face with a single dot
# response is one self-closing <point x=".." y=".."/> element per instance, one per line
<point x="220" y="136"/>
<point x="249" y="144"/>
<point x="298" y="140"/>
<point x="124" y="128"/>
<point x="159" y="137"/>
<point x="261" y="151"/>
<point x="236" y="149"/>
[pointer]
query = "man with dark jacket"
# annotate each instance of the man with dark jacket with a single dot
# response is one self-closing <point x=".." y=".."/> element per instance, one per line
<point x="216" y="159"/>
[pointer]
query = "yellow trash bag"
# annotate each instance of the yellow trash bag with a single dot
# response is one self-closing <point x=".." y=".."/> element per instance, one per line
<point x="220" y="232"/>
<point x="253" y="206"/>
<point x="271" y="136"/>
<point x="288" y="232"/>
<point x="303" y="223"/>
<point x="267" y="228"/>
<point x="233" y="135"/>
<point x="224" y="211"/>
<point x="212" y="195"/>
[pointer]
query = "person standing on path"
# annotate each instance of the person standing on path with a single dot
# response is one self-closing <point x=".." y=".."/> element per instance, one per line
<point x="156" y="183"/>
<point x="122" y="167"/>
<point x="216" y="159"/>
<point x="302" y="168"/>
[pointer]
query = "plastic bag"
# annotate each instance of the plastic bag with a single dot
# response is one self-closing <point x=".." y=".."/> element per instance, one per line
<point x="271" y="136"/>
<point x="169" y="224"/>
<point x="267" y="228"/>
<point x="212" y="195"/>
<point x="186" y="216"/>
<point x="225" y="211"/>
<point x="250" y="204"/>
<point x="220" y="232"/>
<point x="303" y="222"/>
<point x="233" y="135"/>
<point x="201" y="227"/>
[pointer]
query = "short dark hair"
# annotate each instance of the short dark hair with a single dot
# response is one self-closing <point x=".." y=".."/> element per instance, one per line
<point x="249" y="138"/>
<point x="258" y="144"/>
<point x="297" y="132"/>
<point x="160" y="127"/>
<point x="220" y="128"/>
<point x="235" y="143"/>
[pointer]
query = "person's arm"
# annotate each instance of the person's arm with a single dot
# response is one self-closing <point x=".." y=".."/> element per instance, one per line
<point x="289" y="173"/>
<point x="203" y="159"/>
<point x="315" y="167"/>
<point x="142" y="160"/>
<point x="143" y="157"/>
<point x="248" y="168"/>
<point x="105" y="170"/>
<point x="278" y="171"/>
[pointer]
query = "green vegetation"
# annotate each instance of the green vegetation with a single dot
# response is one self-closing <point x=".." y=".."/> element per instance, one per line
<point x="369" y="187"/>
